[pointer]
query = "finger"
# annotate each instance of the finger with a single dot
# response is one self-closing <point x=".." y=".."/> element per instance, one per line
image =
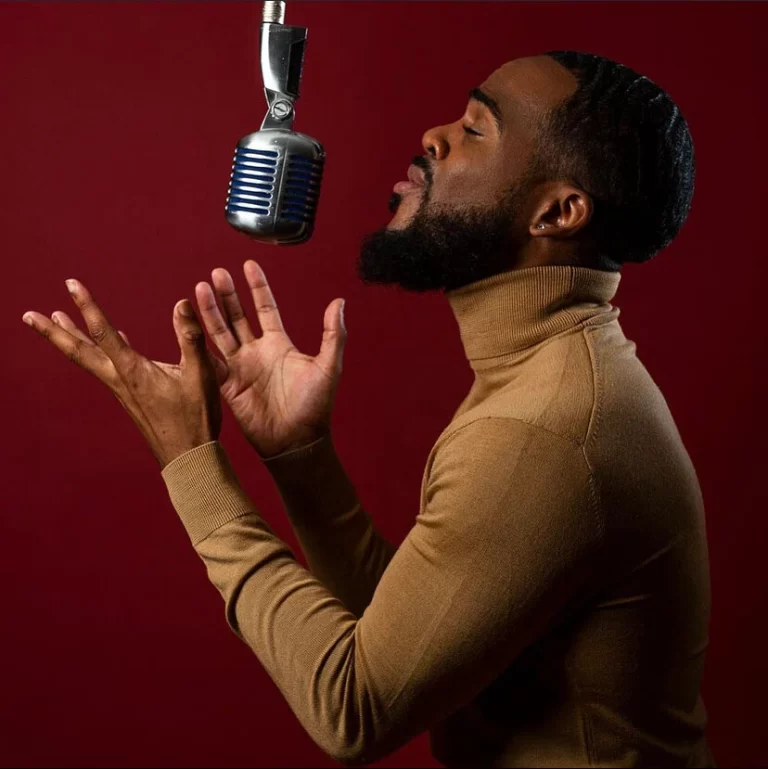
<point x="217" y="329"/>
<point x="64" y="321"/>
<point x="87" y="355"/>
<point x="263" y="301"/>
<point x="225" y="288"/>
<point x="194" y="349"/>
<point x="190" y="335"/>
<point x="334" y="338"/>
<point x="100" y="329"/>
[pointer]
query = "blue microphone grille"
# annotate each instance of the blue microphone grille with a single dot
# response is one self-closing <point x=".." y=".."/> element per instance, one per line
<point x="252" y="184"/>
<point x="301" y="189"/>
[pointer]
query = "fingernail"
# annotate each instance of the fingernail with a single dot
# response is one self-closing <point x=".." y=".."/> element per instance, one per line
<point x="186" y="309"/>
<point x="28" y="319"/>
<point x="71" y="286"/>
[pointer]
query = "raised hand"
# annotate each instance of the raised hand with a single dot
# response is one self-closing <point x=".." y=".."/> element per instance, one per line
<point x="281" y="397"/>
<point x="176" y="407"/>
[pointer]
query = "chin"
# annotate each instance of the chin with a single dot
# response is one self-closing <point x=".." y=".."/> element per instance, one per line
<point x="409" y="205"/>
<point x="396" y="225"/>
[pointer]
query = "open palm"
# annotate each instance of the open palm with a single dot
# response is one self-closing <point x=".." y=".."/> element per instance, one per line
<point x="281" y="397"/>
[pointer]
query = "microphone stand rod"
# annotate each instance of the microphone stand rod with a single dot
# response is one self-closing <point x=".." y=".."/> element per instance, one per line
<point x="274" y="12"/>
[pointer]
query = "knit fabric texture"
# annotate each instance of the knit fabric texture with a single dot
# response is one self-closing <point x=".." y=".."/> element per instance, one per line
<point x="549" y="607"/>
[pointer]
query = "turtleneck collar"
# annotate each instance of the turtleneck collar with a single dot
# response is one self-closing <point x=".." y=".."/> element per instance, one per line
<point x="517" y="309"/>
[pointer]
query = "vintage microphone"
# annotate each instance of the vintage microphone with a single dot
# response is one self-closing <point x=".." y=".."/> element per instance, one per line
<point x="276" y="174"/>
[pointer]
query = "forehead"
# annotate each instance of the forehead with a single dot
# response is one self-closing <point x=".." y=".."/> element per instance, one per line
<point x="534" y="82"/>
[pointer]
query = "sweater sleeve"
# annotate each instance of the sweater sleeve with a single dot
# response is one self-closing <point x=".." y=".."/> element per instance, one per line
<point x="342" y="546"/>
<point x="505" y="539"/>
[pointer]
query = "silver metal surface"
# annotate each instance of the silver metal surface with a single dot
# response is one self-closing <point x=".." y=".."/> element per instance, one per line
<point x="275" y="186"/>
<point x="276" y="173"/>
<point x="274" y="12"/>
<point x="282" y="61"/>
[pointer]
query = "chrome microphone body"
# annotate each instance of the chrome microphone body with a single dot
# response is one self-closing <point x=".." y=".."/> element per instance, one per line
<point x="275" y="185"/>
<point x="276" y="174"/>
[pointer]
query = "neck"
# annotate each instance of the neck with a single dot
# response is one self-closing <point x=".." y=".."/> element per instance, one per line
<point x="544" y="252"/>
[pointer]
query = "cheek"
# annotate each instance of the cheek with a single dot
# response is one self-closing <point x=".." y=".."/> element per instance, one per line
<point x="472" y="185"/>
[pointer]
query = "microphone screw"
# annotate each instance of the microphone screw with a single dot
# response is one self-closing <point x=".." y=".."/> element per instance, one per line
<point x="282" y="109"/>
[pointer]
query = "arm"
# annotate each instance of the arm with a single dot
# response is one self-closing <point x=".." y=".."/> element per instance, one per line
<point x="343" y="548"/>
<point x="505" y="542"/>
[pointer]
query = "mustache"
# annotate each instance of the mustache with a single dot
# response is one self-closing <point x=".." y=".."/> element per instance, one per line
<point x="421" y="162"/>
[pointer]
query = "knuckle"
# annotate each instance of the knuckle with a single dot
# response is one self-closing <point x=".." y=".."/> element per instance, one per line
<point x="128" y="362"/>
<point x="75" y="353"/>
<point x="99" y="333"/>
<point x="114" y="381"/>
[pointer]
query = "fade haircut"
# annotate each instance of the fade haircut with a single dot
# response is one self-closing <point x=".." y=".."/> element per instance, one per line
<point x="624" y="141"/>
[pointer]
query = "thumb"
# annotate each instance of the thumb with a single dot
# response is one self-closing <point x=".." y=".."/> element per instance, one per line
<point x="190" y="336"/>
<point x="334" y="336"/>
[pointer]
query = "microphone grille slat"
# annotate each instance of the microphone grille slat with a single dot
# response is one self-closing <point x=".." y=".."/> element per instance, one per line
<point x="274" y="186"/>
<point x="251" y="181"/>
<point x="302" y="188"/>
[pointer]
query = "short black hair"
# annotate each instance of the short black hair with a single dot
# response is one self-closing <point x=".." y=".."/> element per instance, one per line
<point x="623" y="139"/>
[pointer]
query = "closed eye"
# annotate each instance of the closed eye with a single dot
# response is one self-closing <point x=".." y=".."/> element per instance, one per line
<point x="471" y="131"/>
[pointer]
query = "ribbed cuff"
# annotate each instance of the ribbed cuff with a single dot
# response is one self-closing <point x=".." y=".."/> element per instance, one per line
<point x="204" y="490"/>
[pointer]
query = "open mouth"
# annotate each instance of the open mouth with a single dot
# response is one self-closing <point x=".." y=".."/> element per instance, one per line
<point x="403" y="187"/>
<point x="416" y="181"/>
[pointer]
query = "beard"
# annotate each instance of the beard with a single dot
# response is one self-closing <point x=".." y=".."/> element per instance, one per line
<point x="444" y="249"/>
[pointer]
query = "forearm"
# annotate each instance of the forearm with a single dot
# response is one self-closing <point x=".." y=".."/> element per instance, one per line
<point x="337" y="536"/>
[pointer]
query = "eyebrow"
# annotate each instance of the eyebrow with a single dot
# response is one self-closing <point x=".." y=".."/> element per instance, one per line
<point x="477" y="95"/>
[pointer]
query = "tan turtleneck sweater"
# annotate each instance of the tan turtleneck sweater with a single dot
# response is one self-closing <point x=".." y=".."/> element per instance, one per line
<point x="549" y="607"/>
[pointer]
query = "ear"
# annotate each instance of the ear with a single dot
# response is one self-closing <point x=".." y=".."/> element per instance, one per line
<point x="564" y="210"/>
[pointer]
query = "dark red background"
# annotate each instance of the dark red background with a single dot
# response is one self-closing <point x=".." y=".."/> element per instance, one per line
<point x="116" y="136"/>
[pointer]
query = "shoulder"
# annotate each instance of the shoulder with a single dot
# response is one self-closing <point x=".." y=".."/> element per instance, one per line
<point x="555" y="390"/>
<point x="509" y="464"/>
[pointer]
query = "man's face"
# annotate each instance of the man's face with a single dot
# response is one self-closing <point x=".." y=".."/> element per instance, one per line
<point x="467" y="221"/>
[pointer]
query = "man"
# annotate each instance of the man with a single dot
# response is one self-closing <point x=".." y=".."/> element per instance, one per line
<point x="550" y="606"/>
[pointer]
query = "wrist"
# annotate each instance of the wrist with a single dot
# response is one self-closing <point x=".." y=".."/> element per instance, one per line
<point x="312" y="482"/>
<point x="166" y="457"/>
<point x="299" y="449"/>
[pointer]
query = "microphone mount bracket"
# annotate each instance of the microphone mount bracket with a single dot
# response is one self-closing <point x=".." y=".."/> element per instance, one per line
<point x="282" y="61"/>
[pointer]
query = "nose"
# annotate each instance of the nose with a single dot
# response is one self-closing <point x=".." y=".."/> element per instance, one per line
<point x="435" y="143"/>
